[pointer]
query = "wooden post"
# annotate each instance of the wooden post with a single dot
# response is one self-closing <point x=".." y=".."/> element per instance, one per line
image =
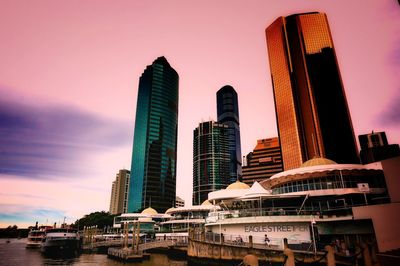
<point x="138" y="237"/>
<point x="250" y="260"/>
<point x="290" y="257"/>
<point x="330" y="257"/>
<point x="133" y="237"/>
<point x="126" y="233"/>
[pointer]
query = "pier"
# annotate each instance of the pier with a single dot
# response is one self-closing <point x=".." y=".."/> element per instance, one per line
<point x="134" y="253"/>
<point x="132" y="247"/>
<point x="216" y="249"/>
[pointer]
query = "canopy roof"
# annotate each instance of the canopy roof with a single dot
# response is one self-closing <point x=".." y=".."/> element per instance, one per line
<point x="256" y="191"/>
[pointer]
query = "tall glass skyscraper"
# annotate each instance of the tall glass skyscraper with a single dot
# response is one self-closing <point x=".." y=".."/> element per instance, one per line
<point x="211" y="159"/>
<point x="228" y="114"/>
<point x="312" y="114"/>
<point x="153" y="167"/>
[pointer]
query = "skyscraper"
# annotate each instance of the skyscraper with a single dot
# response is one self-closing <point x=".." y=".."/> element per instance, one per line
<point x="211" y="159"/>
<point x="228" y="114"/>
<point x="153" y="168"/>
<point x="263" y="162"/>
<point x="313" y="118"/>
<point x="120" y="192"/>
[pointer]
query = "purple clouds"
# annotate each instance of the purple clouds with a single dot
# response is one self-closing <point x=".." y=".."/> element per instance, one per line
<point x="391" y="114"/>
<point x="51" y="142"/>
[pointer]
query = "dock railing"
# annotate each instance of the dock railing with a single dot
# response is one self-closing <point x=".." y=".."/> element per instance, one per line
<point x="269" y="211"/>
<point x="258" y="242"/>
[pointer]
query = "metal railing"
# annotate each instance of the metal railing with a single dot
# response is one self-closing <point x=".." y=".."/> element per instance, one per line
<point x="284" y="211"/>
<point x="171" y="240"/>
<point x="259" y="242"/>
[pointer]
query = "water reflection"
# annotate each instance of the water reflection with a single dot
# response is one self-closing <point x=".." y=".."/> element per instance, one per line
<point x="15" y="253"/>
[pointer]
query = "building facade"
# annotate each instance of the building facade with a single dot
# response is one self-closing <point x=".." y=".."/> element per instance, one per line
<point x="179" y="202"/>
<point x="228" y="114"/>
<point x="375" y="147"/>
<point x="153" y="167"/>
<point x="211" y="159"/>
<point x="313" y="118"/>
<point x="113" y="200"/>
<point x="263" y="162"/>
<point x="120" y="192"/>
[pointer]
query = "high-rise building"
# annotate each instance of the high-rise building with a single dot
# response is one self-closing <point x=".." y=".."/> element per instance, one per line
<point x="153" y="167"/>
<point x="228" y="114"/>
<point x="179" y="202"/>
<point x="375" y="147"/>
<point x="114" y="197"/>
<point x="120" y="192"/>
<point x="313" y="118"/>
<point x="263" y="162"/>
<point x="210" y="159"/>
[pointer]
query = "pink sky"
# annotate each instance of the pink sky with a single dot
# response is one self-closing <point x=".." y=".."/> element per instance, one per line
<point x="84" y="58"/>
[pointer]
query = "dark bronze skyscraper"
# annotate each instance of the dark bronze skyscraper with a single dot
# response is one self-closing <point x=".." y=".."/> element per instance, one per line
<point x="312" y="114"/>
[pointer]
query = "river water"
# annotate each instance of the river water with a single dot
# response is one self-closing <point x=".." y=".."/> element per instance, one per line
<point x="15" y="254"/>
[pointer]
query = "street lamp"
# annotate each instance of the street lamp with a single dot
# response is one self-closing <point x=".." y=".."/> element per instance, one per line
<point x="313" y="235"/>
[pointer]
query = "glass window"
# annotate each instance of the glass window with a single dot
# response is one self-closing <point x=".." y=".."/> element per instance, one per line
<point x="305" y="185"/>
<point x="317" y="184"/>
<point x="290" y="188"/>
<point x="294" y="186"/>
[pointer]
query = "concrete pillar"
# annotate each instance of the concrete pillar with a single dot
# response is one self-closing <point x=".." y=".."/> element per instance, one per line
<point x="250" y="260"/>
<point x="330" y="257"/>
<point x="290" y="257"/>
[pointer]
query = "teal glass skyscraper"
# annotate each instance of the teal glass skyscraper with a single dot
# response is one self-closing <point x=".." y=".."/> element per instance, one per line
<point x="153" y="167"/>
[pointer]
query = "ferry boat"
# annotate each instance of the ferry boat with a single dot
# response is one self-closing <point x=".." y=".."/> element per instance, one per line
<point x="36" y="236"/>
<point x="61" y="241"/>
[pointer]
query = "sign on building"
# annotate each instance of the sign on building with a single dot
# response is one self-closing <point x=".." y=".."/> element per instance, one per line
<point x="363" y="187"/>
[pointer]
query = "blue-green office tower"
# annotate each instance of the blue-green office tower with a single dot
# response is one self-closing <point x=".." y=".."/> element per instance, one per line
<point x="153" y="168"/>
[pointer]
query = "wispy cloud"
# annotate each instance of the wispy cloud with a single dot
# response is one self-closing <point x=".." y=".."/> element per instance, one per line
<point x="51" y="141"/>
<point x="12" y="213"/>
<point x="391" y="114"/>
<point x="26" y="196"/>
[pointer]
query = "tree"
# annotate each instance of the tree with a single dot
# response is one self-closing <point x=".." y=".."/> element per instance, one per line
<point x="101" y="219"/>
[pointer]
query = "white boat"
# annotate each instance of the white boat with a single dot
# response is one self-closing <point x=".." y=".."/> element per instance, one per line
<point x="35" y="237"/>
<point x="61" y="241"/>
